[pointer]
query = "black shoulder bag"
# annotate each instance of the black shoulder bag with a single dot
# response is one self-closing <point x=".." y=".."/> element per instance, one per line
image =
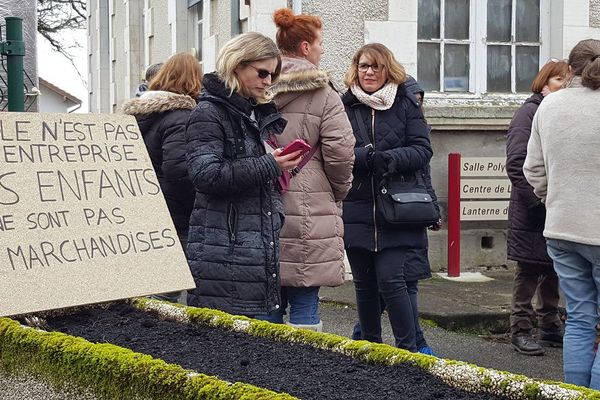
<point x="402" y="199"/>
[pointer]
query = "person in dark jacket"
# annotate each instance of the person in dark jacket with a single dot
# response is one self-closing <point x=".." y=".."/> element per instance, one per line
<point x="162" y="113"/>
<point x="150" y="73"/>
<point x="392" y="138"/>
<point x="526" y="217"/>
<point x="233" y="249"/>
<point x="416" y="265"/>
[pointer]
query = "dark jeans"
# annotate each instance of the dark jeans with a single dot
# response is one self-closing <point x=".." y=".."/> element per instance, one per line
<point x="376" y="273"/>
<point x="304" y="306"/>
<point x="528" y="279"/>
<point x="413" y="290"/>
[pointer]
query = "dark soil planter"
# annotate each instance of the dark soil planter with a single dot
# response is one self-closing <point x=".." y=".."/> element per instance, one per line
<point x="276" y="358"/>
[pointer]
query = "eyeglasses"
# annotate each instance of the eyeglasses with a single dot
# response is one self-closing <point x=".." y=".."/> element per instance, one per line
<point x="263" y="73"/>
<point x="365" y="67"/>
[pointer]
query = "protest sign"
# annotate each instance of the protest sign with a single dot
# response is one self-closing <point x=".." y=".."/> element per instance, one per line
<point x="82" y="216"/>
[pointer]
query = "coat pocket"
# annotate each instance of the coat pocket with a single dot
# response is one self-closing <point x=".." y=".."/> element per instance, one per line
<point x="232" y="221"/>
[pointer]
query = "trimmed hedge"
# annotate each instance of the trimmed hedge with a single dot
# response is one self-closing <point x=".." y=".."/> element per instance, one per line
<point x="110" y="371"/>
<point x="455" y="373"/>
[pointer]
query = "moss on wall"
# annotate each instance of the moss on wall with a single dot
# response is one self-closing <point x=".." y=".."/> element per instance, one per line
<point x="455" y="373"/>
<point x="110" y="371"/>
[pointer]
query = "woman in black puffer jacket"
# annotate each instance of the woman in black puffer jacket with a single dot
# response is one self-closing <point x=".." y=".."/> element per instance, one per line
<point x="233" y="249"/>
<point x="395" y="141"/>
<point x="162" y="113"/>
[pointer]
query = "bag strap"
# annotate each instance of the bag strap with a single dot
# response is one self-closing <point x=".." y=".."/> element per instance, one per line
<point x="362" y="129"/>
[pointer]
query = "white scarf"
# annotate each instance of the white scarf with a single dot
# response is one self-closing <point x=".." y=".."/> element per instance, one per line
<point x="383" y="99"/>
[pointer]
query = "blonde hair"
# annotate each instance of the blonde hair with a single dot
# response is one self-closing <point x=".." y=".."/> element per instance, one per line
<point x="376" y="53"/>
<point x="181" y="74"/>
<point x="245" y="49"/>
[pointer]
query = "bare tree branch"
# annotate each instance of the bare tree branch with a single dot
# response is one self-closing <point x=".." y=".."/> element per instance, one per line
<point x="57" y="16"/>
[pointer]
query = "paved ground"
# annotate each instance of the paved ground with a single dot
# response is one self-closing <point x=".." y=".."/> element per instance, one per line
<point x="25" y="388"/>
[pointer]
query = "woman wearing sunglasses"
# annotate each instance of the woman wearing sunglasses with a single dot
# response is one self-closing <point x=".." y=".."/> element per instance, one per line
<point x="392" y="139"/>
<point x="312" y="248"/>
<point x="233" y="249"/>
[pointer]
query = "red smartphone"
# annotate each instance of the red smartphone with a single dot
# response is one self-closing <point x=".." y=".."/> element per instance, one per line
<point x="296" y="145"/>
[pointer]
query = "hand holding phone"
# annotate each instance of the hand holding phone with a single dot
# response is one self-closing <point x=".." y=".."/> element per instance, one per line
<point x="294" y="146"/>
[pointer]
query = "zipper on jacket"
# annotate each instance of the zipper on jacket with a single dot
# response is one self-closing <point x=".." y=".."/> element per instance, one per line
<point x="232" y="221"/>
<point x="373" y="180"/>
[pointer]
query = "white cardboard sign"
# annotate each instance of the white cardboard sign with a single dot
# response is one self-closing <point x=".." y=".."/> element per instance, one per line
<point x="82" y="216"/>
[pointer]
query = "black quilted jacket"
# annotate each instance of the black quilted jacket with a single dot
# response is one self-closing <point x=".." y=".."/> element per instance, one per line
<point x="233" y="249"/>
<point x="402" y="133"/>
<point x="161" y="117"/>
<point x="526" y="212"/>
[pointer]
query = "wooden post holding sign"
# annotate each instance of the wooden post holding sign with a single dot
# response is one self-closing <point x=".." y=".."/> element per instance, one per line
<point x="82" y="216"/>
<point x="485" y="190"/>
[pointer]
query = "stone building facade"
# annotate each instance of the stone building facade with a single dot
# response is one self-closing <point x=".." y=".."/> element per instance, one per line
<point x="476" y="62"/>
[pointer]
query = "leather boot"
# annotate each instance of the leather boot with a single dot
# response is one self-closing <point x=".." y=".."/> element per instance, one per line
<point x="552" y="338"/>
<point x="526" y="344"/>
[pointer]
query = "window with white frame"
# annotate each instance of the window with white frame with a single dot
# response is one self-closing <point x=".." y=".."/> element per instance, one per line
<point x="196" y="7"/>
<point x="481" y="46"/>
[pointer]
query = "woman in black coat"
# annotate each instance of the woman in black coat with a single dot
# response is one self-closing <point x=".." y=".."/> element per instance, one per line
<point x="526" y="217"/>
<point x="416" y="264"/>
<point x="233" y="249"/>
<point x="162" y="113"/>
<point x="392" y="138"/>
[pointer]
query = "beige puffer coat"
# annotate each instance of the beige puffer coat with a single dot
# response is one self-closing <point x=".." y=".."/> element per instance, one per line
<point x="311" y="241"/>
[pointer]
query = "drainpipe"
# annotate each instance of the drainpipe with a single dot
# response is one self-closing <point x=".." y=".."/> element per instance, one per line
<point x="235" y="18"/>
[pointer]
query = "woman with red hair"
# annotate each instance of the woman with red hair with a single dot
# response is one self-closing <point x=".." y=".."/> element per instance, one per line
<point x="526" y="217"/>
<point x="311" y="244"/>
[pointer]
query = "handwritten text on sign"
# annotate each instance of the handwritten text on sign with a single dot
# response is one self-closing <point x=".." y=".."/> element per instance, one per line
<point x="82" y="216"/>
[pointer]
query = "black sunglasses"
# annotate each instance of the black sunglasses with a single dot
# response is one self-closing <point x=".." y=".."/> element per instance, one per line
<point x="263" y="73"/>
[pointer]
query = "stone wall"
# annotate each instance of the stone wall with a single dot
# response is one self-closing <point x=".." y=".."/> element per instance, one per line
<point x="344" y="29"/>
<point x="595" y="13"/>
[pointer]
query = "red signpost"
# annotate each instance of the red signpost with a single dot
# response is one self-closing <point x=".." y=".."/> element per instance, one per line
<point x="454" y="164"/>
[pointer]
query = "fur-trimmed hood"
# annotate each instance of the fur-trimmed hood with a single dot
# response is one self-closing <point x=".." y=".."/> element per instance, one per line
<point x="299" y="75"/>
<point x="157" y="101"/>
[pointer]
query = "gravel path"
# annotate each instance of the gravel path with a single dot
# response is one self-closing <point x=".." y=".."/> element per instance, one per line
<point x="26" y="388"/>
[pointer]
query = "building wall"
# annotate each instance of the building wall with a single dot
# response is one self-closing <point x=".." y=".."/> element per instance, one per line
<point x="117" y="46"/>
<point x="98" y="53"/>
<point x="52" y="102"/>
<point x="160" y="48"/>
<point x="221" y="22"/>
<point x="344" y="29"/>
<point x="595" y="13"/>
